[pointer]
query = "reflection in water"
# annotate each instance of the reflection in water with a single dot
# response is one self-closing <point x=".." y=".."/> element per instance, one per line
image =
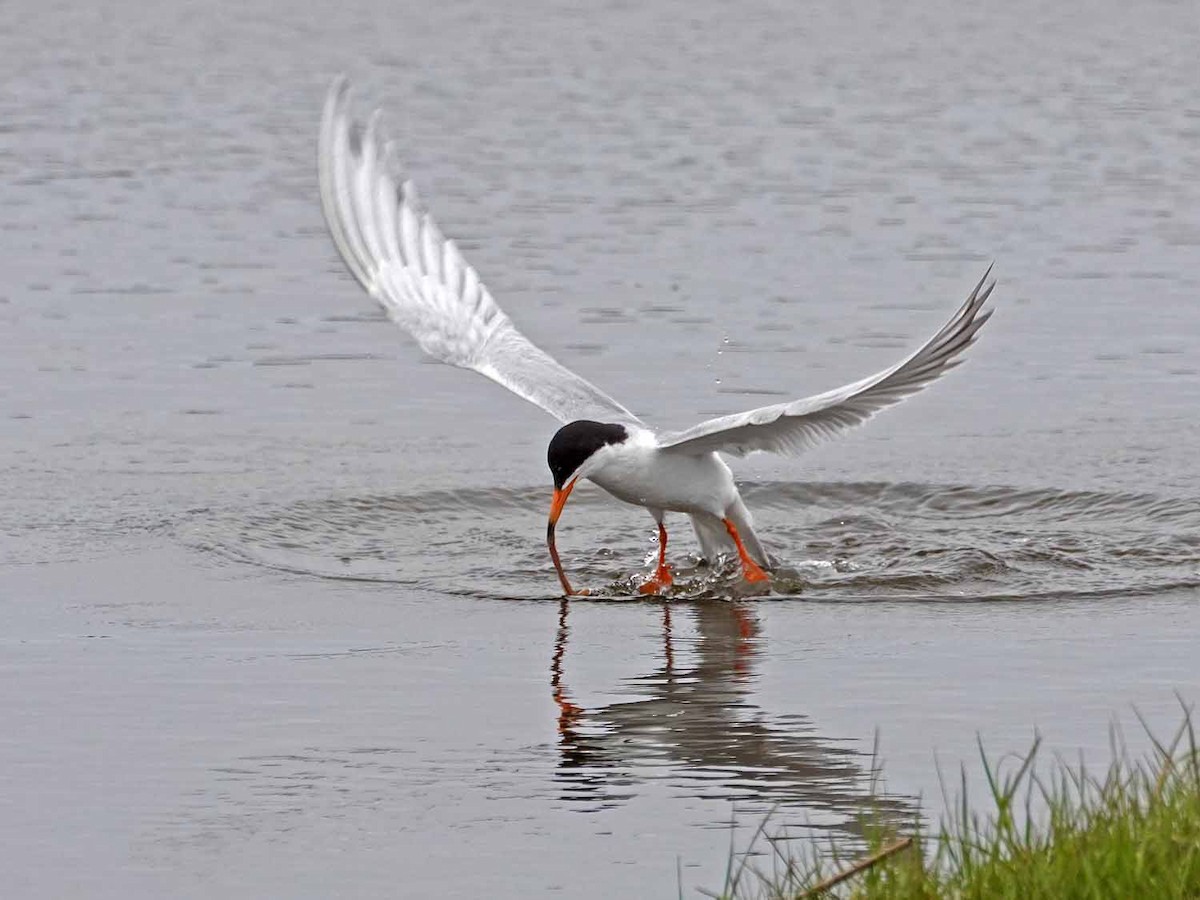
<point x="701" y="722"/>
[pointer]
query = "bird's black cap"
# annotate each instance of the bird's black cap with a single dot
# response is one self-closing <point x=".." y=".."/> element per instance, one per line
<point x="575" y="442"/>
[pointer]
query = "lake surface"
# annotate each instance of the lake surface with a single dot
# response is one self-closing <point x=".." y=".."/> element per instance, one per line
<point x="278" y="618"/>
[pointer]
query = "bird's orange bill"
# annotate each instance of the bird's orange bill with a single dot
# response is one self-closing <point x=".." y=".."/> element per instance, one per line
<point x="556" y="507"/>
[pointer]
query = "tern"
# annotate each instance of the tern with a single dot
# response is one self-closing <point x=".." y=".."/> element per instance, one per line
<point x="393" y="248"/>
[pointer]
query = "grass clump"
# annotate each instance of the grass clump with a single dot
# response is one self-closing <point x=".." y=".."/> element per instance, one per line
<point x="1132" y="832"/>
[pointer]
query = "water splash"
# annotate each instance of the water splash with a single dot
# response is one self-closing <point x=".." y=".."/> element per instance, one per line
<point x="832" y="542"/>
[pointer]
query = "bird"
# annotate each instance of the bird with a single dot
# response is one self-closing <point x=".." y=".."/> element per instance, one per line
<point x="394" y="249"/>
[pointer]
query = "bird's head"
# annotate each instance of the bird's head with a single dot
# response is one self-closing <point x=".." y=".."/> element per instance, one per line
<point x="576" y="450"/>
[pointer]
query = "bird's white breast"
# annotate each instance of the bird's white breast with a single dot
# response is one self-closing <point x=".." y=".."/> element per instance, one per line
<point x="639" y="472"/>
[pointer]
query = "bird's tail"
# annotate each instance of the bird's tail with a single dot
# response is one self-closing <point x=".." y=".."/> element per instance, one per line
<point x="714" y="541"/>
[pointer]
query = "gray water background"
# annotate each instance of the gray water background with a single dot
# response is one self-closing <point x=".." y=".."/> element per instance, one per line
<point x="277" y="614"/>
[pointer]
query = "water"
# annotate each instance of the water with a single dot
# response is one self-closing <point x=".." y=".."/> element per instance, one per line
<point x="259" y="639"/>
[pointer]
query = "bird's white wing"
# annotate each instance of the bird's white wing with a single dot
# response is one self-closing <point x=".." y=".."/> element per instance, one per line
<point x="796" y="426"/>
<point x="395" y="250"/>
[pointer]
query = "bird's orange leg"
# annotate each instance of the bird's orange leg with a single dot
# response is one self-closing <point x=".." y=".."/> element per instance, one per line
<point x="662" y="575"/>
<point x="750" y="569"/>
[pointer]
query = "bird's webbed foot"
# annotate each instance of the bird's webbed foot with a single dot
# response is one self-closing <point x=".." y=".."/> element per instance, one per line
<point x="659" y="582"/>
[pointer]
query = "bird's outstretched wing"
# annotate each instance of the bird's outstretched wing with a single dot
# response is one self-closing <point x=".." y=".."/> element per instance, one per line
<point x="395" y="250"/>
<point x="796" y="426"/>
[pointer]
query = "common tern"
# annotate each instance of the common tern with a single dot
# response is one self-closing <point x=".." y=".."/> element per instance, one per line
<point x="393" y="248"/>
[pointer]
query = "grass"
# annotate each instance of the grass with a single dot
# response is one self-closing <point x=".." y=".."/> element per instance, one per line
<point x="1129" y="833"/>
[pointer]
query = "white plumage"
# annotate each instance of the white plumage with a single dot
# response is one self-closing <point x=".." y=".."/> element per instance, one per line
<point x="395" y="250"/>
<point x="794" y="427"/>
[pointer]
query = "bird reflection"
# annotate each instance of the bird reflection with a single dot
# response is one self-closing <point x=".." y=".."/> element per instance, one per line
<point x="698" y="725"/>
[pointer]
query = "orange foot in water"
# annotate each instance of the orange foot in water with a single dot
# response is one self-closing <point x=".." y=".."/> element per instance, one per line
<point x="751" y="571"/>
<point x="660" y="582"/>
<point x="662" y="575"/>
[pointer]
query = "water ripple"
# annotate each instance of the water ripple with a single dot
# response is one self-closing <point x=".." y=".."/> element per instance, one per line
<point x="833" y="542"/>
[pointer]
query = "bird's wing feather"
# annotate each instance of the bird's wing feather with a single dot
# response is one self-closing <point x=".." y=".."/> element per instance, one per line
<point x="796" y="426"/>
<point x="395" y="250"/>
